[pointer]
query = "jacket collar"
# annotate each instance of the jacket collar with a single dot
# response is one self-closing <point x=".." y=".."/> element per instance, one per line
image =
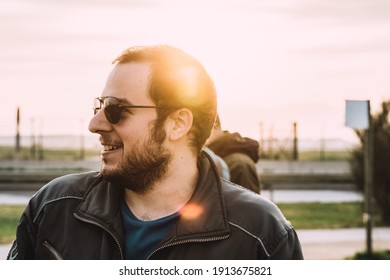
<point x="101" y="206"/>
<point x="203" y="216"/>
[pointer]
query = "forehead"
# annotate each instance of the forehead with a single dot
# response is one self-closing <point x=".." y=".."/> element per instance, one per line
<point x="129" y="81"/>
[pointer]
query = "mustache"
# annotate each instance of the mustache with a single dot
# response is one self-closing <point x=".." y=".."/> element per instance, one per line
<point x="107" y="140"/>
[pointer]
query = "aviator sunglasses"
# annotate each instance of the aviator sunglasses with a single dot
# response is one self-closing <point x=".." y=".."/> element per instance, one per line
<point x="113" y="107"/>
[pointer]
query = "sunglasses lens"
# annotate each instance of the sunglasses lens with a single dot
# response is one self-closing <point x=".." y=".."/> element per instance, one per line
<point x="97" y="105"/>
<point x="112" y="110"/>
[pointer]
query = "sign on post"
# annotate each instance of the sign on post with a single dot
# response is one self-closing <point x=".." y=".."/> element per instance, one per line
<point x="357" y="114"/>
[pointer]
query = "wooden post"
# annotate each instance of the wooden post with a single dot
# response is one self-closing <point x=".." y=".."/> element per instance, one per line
<point x="261" y="140"/>
<point x="295" y="142"/>
<point x="17" y="139"/>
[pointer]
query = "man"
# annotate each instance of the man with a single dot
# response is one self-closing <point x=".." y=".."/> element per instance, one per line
<point x="240" y="154"/>
<point x="157" y="195"/>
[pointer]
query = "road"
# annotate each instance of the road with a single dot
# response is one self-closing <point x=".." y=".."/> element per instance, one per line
<point x="337" y="244"/>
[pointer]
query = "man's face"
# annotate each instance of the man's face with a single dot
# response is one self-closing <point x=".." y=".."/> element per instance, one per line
<point x="132" y="155"/>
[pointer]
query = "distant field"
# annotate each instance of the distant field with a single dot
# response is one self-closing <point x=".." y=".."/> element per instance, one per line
<point x="7" y="153"/>
<point x="326" y="155"/>
<point x="306" y="155"/>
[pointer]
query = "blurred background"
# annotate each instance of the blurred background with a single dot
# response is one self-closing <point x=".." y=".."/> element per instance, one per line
<point x="274" y="63"/>
<point x="283" y="72"/>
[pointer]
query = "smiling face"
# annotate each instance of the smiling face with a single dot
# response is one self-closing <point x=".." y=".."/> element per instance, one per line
<point x="133" y="153"/>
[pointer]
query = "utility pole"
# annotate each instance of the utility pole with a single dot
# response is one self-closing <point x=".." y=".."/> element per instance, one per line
<point x="295" y="142"/>
<point x="261" y="140"/>
<point x="17" y="139"/>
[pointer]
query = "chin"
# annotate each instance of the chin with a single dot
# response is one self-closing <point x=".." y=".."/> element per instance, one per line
<point x="107" y="167"/>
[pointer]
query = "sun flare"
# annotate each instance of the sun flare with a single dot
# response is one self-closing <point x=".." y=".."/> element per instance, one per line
<point x="191" y="211"/>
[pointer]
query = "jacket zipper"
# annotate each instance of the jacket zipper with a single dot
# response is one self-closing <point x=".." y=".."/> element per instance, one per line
<point x="103" y="227"/>
<point x="188" y="241"/>
<point x="52" y="250"/>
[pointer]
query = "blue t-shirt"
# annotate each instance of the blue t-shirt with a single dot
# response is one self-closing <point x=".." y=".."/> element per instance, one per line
<point x="141" y="238"/>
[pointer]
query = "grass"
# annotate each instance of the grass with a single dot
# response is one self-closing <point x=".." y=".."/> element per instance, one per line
<point x="315" y="215"/>
<point x="377" y="255"/>
<point x="9" y="218"/>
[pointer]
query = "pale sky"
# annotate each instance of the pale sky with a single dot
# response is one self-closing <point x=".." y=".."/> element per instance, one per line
<point x="274" y="62"/>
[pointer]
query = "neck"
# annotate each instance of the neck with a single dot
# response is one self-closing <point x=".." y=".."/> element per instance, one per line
<point x="168" y="195"/>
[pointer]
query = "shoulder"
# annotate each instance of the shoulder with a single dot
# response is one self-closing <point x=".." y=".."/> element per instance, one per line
<point x="72" y="186"/>
<point x="254" y="214"/>
<point x="244" y="200"/>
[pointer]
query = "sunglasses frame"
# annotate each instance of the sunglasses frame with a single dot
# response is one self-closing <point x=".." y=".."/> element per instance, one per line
<point x="114" y="115"/>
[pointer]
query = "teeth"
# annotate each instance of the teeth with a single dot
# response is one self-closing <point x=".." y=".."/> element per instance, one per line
<point x="110" y="147"/>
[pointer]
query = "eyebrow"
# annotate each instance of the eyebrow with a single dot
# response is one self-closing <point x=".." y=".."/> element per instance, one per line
<point x="123" y="100"/>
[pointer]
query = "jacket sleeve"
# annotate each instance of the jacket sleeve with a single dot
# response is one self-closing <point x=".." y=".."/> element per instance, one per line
<point x="289" y="248"/>
<point x="24" y="244"/>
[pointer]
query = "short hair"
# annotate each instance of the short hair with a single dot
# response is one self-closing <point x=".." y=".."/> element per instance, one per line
<point x="178" y="81"/>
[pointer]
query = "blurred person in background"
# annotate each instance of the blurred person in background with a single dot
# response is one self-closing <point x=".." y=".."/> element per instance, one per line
<point x="239" y="153"/>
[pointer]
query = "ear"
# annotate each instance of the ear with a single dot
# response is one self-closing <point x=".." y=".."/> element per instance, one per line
<point x="180" y="124"/>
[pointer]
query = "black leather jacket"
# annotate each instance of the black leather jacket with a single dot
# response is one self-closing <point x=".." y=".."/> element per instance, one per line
<point x="78" y="217"/>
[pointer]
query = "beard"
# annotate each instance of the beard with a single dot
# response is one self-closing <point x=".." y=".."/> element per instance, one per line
<point x="143" y="166"/>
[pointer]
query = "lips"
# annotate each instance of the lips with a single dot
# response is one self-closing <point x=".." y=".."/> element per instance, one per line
<point x="110" y="144"/>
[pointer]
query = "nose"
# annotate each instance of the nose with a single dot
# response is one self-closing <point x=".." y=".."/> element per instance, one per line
<point x="99" y="123"/>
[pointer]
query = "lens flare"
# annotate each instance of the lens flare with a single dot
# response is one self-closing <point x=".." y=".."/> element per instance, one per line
<point x="189" y="87"/>
<point x="191" y="211"/>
